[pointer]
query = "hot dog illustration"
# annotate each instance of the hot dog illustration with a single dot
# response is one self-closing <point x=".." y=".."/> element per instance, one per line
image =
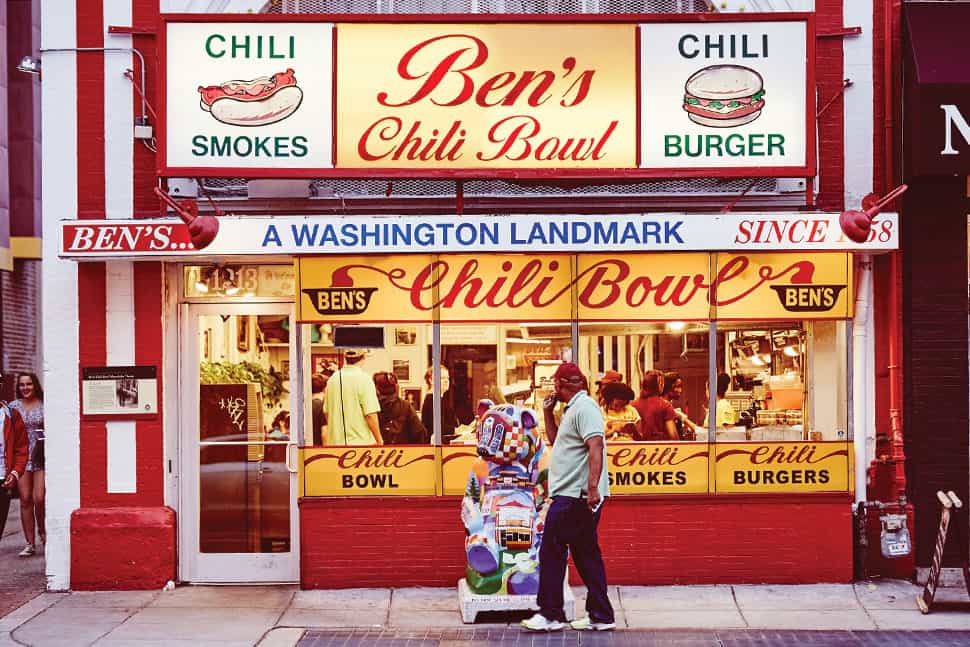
<point x="259" y="102"/>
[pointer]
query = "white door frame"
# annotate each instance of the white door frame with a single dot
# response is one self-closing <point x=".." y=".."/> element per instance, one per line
<point x="195" y="566"/>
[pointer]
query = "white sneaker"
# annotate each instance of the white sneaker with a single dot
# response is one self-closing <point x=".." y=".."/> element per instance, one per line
<point x="28" y="551"/>
<point x="585" y="624"/>
<point x="539" y="622"/>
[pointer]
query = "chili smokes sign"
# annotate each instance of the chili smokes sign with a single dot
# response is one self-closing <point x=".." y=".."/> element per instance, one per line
<point x="566" y="97"/>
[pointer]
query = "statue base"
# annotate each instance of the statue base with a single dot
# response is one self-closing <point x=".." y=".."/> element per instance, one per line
<point x="471" y="603"/>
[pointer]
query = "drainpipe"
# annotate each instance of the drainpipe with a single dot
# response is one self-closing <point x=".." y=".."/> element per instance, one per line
<point x="860" y="381"/>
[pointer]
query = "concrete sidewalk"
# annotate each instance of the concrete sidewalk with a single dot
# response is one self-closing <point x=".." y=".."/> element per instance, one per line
<point x="279" y="615"/>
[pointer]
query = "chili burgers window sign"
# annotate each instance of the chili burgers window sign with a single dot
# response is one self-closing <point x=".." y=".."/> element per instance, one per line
<point x="248" y="95"/>
<point x="727" y="95"/>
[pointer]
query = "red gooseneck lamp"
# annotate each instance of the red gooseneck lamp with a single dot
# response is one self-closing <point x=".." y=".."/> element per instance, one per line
<point x="202" y="229"/>
<point x="857" y="224"/>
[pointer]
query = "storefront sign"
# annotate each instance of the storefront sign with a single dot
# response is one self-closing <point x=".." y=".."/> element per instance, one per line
<point x="119" y="391"/>
<point x="230" y="280"/>
<point x="369" y="471"/>
<point x="456" y="465"/>
<point x="654" y="468"/>
<point x="619" y="287"/>
<point x="484" y="96"/>
<point x="566" y="96"/>
<point x="782" y="467"/>
<point x="247" y="95"/>
<point x="937" y="89"/>
<point x="726" y="95"/>
<point x="480" y="234"/>
<point x="776" y="286"/>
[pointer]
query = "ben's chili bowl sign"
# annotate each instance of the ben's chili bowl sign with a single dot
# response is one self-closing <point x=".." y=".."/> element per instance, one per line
<point x="644" y="287"/>
<point x="454" y="96"/>
<point x="782" y="467"/>
<point x="375" y="471"/>
<point x="638" y="468"/>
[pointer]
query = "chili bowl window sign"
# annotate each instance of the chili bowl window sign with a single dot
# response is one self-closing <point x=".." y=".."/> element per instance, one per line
<point x="248" y="95"/>
<point x="725" y="95"/>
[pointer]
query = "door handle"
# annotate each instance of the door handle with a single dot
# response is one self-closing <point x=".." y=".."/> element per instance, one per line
<point x="290" y="468"/>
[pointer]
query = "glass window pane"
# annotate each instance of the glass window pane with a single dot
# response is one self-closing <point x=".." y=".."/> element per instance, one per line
<point x="244" y="485"/>
<point x="648" y="377"/>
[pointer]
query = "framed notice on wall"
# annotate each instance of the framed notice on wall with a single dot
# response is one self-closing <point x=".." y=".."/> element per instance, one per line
<point x="119" y="391"/>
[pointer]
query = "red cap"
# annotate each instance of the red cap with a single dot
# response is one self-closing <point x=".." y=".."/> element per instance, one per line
<point x="568" y="370"/>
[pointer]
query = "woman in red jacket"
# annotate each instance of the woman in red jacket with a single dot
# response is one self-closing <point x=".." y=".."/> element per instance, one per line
<point x="14" y="457"/>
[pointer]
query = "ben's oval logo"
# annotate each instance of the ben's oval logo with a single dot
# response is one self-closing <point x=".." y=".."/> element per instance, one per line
<point x="340" y="301"/>
<point x="808" y="298"/>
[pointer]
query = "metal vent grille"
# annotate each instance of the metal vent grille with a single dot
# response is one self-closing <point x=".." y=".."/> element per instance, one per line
<point x="236" y="187"/>
<point x="487" y="6"/>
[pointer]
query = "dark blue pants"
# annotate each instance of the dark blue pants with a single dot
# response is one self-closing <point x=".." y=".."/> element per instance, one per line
<point x="570" y="524"/>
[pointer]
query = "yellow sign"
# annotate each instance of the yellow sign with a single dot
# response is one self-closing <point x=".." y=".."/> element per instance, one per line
<point x="655" y="468"/>
<point x="750" y="468"/>
<point x="365" y="288"/>
<point x="369" y="471"/>
<point x="486" y="96"/>
<point x="638" y="287"/>
<point x="540" y="287"/>
<point x="456" y="465"/>
<point x="408" y="288"/>
<point x="775" y="286"/>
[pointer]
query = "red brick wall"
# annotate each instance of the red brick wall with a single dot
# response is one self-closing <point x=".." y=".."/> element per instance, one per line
<point x="401" y="541"/>
<point x="829" y="73"/>
<point x="20" y="304"/>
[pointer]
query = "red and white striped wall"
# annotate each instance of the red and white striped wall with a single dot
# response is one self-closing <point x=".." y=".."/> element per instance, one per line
<point x="109" y="476"/>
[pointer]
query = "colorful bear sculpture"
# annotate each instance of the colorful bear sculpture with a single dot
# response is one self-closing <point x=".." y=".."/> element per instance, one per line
<point x="503" y="507"/>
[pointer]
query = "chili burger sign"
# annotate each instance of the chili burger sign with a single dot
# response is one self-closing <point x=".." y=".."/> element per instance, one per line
<point x="270" y="96"/>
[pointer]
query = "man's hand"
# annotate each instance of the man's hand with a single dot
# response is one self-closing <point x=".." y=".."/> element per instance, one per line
<point x="593" y="499"/>
<point x="549" y="402"/>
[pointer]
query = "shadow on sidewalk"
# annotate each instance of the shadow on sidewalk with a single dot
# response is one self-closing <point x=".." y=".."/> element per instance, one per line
<point x="23" y="577"/>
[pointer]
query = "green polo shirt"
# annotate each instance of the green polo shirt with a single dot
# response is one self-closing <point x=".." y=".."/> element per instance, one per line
<point x="350" y="396"/>
<point x="569" y="465"/>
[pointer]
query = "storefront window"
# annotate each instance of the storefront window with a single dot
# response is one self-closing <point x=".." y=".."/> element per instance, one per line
<point x="630" y="364"/>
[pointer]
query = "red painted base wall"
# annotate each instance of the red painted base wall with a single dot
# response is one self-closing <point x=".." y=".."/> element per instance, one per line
<point x="122" y="548"/>
<point x="401" y="541"/>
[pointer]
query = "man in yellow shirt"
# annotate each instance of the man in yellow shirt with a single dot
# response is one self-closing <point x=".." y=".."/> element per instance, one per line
<point x="352" y="405"/>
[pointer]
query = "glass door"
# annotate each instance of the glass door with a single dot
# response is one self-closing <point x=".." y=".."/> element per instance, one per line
<point x="238" y="515"/>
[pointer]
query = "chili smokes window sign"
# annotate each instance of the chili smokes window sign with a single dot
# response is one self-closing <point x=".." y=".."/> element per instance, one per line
<point x="248" y="95"/>
<point x="567" y="97"/>
<point x="724" y="95"/>
<point x="656" y="468"/>
<point x="540" y="287"/>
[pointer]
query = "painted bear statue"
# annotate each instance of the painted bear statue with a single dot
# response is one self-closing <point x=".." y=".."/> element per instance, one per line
<point x="503" y="507"/>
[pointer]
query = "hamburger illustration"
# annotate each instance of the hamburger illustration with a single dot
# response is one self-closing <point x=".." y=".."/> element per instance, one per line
<point x="258" y="102"/>
<point x="724" y="96"/>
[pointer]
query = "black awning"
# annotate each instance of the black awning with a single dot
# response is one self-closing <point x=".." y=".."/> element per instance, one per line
<point x="937" y="88"/>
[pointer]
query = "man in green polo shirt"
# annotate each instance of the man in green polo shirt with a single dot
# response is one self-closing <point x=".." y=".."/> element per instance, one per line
<point x="578" y="485"/>
<point x="352" y="405"/>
